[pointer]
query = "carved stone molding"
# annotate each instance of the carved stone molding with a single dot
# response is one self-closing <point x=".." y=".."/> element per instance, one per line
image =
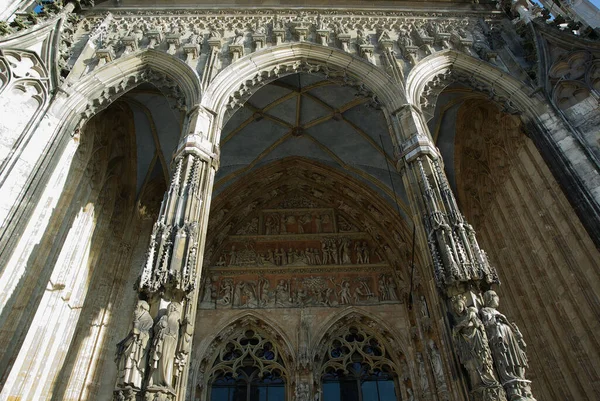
<point x="372" y="35"/>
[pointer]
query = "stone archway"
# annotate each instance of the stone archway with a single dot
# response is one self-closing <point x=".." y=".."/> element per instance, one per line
<point x="213" y="347"/>
<point x="237" y="82"/>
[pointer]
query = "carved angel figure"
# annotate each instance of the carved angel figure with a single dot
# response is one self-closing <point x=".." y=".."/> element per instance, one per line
<point x="505" y="339"/>
<point x="132" y="351"/>
<point x="164" y="345"/>
<point x="471" y="342"/>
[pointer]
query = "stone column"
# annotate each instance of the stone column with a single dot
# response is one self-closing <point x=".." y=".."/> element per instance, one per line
<point x="153" y="364"/>
<point x="462" y="271"/>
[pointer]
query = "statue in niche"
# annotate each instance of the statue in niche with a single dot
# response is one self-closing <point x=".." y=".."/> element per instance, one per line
<point x="436" y="364"/>
<point x="505" y="339"/>
<point x="404" y="38"/>
<point x="472" y="345"/>
<point x="423" y="380"/>
<point x="164" y="346"/>
<point x="133" y="350"/>
<point x="424" y="311"/>
<point x="239" y="37"/>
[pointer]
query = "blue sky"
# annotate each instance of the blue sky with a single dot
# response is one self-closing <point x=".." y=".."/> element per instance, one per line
<point x="596" y="3"/>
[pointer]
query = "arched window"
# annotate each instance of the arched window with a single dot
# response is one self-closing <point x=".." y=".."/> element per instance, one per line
<point x="357" y="368"/>
<point x="249" y="368"/>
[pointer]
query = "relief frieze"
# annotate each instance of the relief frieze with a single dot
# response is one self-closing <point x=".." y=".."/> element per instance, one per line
<point x="301" y="290"/>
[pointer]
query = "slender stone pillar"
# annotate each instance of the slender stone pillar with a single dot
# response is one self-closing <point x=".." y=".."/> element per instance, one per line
<point x="153" y="364"/>
<point x="489" y="347"/>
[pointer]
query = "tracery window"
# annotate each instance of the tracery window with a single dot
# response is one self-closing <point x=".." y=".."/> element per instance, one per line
<point x="249" y="368"/>
<point x="357" y="368"/>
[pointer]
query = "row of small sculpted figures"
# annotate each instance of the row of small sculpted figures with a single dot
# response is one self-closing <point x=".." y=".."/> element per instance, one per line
<point x="308" y="291"/>
<point x="331" y="252"/>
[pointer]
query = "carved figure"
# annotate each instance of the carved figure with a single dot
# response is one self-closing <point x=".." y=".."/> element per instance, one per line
<point x="270" y="226"/>
<point x="345" y="251"/>
<point x="344" y="292"/>
<point x="366" y="253"/>
<point x="249" y="292"/>
<point x="423" y="380"/>
<point x="316" y="256"/>
<point x="233" y="256"/>
<point x="282" y="293"/>
<point x="391" y="288"/>
<point x="133" y="350"/>
<point x="325" y="250"/>
<point x="164" y="345"/>
<point x="362" y="290"/>
<point x="318" y="226"/>
<point x="359" y="253"/>
<point x="436" y="364"/>
<point x="471" y="343"/>
<point x="207" y="296"/>
<point x="424" y="311"/>
<point x="265" y="288"/>
<point x="302" y="392"/>
<point x="226" y="291"/>
<point x="404" y="38"/>
<point x="237" y="293"/>
<point x="505" y="339"/>
<point x="382" y="288"/>
<point x="280" y="258"/>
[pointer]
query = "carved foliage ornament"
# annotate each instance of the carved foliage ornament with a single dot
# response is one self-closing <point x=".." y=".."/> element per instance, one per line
<point x="226" y="35"/>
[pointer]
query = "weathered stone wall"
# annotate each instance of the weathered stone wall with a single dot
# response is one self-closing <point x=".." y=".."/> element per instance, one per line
<point x="547" y="262"/>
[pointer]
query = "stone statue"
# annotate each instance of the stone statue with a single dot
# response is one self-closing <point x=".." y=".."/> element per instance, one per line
<point x="471" y="343"/>
<point x="302" y="392"/>
<point x="423" y="380"/>
<point x="133" y="350"/>
<point x="507" y="345"/>
<point x="424" y="311"/>
<point x="437" y="366"/>
<point x="207" y="296"/>
<point x="282" y="293"/>
<point x="164" y="346"/>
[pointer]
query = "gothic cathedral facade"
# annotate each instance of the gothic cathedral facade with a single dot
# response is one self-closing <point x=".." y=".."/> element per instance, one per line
<point x="299" y="201"/>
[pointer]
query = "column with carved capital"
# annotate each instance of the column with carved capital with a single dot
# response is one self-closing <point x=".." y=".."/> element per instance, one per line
<point x="461" y="270"/>
<point x="170" y="276"/>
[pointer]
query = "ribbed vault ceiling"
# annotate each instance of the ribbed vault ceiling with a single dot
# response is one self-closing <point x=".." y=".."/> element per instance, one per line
<point x="308" y="116"/>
